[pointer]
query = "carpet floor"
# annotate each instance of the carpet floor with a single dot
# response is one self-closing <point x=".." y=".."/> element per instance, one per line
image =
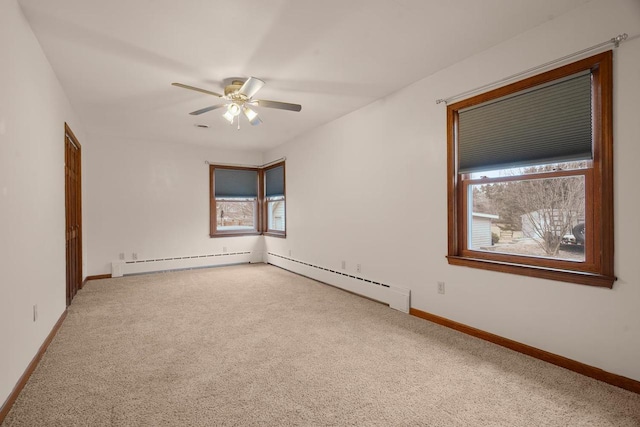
<point x="257" y="345"/>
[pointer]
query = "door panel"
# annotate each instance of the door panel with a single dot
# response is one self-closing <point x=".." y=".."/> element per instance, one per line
<point x="73" y="209"/>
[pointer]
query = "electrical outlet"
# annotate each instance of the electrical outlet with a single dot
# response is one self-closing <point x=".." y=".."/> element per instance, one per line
<point x="358" y="268"/>
<point x="224" y="249"/>
<point x="134" y="255"/>
<point x="121" y="256"/>
<point x="35" y="312"/>
<point x="344" y="265"/>
<point x="289" y="252"/>
<point x="441" y="288"/>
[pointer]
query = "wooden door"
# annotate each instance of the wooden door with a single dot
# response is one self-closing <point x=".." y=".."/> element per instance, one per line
<point x="73" y="208"/>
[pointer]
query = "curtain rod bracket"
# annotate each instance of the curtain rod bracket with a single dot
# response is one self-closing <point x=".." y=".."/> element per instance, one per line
<point x="618" y="39"/>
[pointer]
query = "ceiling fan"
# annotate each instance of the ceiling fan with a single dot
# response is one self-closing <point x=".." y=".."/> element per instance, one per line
<point x="239" y="99"/>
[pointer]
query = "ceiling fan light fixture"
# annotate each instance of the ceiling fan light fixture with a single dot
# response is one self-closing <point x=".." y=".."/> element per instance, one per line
<point x="233" y="109"/>
<point x="228" y="116"/>
<point x="251" y="115"/>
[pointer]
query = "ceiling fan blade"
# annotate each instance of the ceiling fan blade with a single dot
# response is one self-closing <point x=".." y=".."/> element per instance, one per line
<point x="197" y="89"/>
<point x="277" y="104"/>
<point x="251" y="87"/>
<point x="204" y="110"/>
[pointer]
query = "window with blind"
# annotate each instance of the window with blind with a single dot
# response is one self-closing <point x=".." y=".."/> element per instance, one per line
<point x="275" y="200"/>
<point x="530" y="176"/>
<point x="247" y="201"/>
<point x="235" y="201"/>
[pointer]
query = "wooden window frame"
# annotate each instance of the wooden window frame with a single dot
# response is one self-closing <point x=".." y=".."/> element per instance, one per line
<point x="265" y="214"/>
<point x="261" y="222"/>
<point x="214" y="232"/>
<point x="597" y="269"/>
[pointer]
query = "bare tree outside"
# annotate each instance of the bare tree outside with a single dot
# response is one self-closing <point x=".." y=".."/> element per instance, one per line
<point x="553" y="207"/>
<point x="235" y="213"/>
<point x="545" y="209"/>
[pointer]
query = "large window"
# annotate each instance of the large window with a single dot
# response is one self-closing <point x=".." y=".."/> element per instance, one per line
<point x="247" y="201"/>
<point x="530" y="176"/>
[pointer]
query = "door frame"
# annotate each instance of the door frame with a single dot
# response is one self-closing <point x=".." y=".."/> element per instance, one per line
<point x="71" y="272"/>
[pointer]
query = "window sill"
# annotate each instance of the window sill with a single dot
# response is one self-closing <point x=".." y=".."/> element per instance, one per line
<point x="578" y="277"/>
<point x="251" y="233"/>
<point x="280" y="234"/>
<point x="235" y="234"/>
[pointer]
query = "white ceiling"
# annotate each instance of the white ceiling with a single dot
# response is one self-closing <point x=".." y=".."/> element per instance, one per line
<point x="116" y="59"/>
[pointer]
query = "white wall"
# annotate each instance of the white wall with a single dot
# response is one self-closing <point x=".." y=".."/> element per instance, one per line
<point x="370" y="188"/>
<point x="33" y="110"/>
<point x="153" y="199"/>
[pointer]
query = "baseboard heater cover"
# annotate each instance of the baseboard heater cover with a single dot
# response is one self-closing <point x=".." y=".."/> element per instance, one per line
<point x="397" y="298"/>
<point x="123" y="268"/>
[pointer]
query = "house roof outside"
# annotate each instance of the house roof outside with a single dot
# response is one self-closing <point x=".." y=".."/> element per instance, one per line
<point x="484" y="215"/>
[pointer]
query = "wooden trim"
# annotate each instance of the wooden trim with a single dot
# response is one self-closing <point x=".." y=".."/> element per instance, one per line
<point x="265" y="215"/>
<point x="235" y="234"/>
<point x="604" y="90"/>
<point x="213" y="224"/>
<point x="212" y="202"/>
<point x="96" y="277"/>
<point x="280" y="234"/>
<point x="261" y="205"/>
<point x="8" y="404"/>
<point x="453" y="186"/>
<point x="570" y="276"/>
<point x="529" y="176"/>
<point x="598" y="268"/>
<point x="554" y="359"/>
<point x="73" y="208"/>
<point x="284" y="190"/>
<point x="588" y="265"/>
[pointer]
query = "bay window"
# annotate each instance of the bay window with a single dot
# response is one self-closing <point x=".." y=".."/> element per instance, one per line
<point x="247" y="200"/>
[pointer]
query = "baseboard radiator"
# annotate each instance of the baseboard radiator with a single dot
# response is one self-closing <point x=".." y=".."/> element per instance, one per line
<point x="123" y="268"/>
<point x="397" y="298"/>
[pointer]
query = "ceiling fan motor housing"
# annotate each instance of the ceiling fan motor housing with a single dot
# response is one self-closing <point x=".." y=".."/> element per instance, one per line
<point x="233" y="88"/>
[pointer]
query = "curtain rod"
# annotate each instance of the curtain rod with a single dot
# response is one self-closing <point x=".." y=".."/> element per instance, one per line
<point x="281" y="159"/>
<point x="615" y="41"/>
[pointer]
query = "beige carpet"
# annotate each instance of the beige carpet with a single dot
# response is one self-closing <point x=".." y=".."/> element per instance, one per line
<point x="257" y="345"/>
